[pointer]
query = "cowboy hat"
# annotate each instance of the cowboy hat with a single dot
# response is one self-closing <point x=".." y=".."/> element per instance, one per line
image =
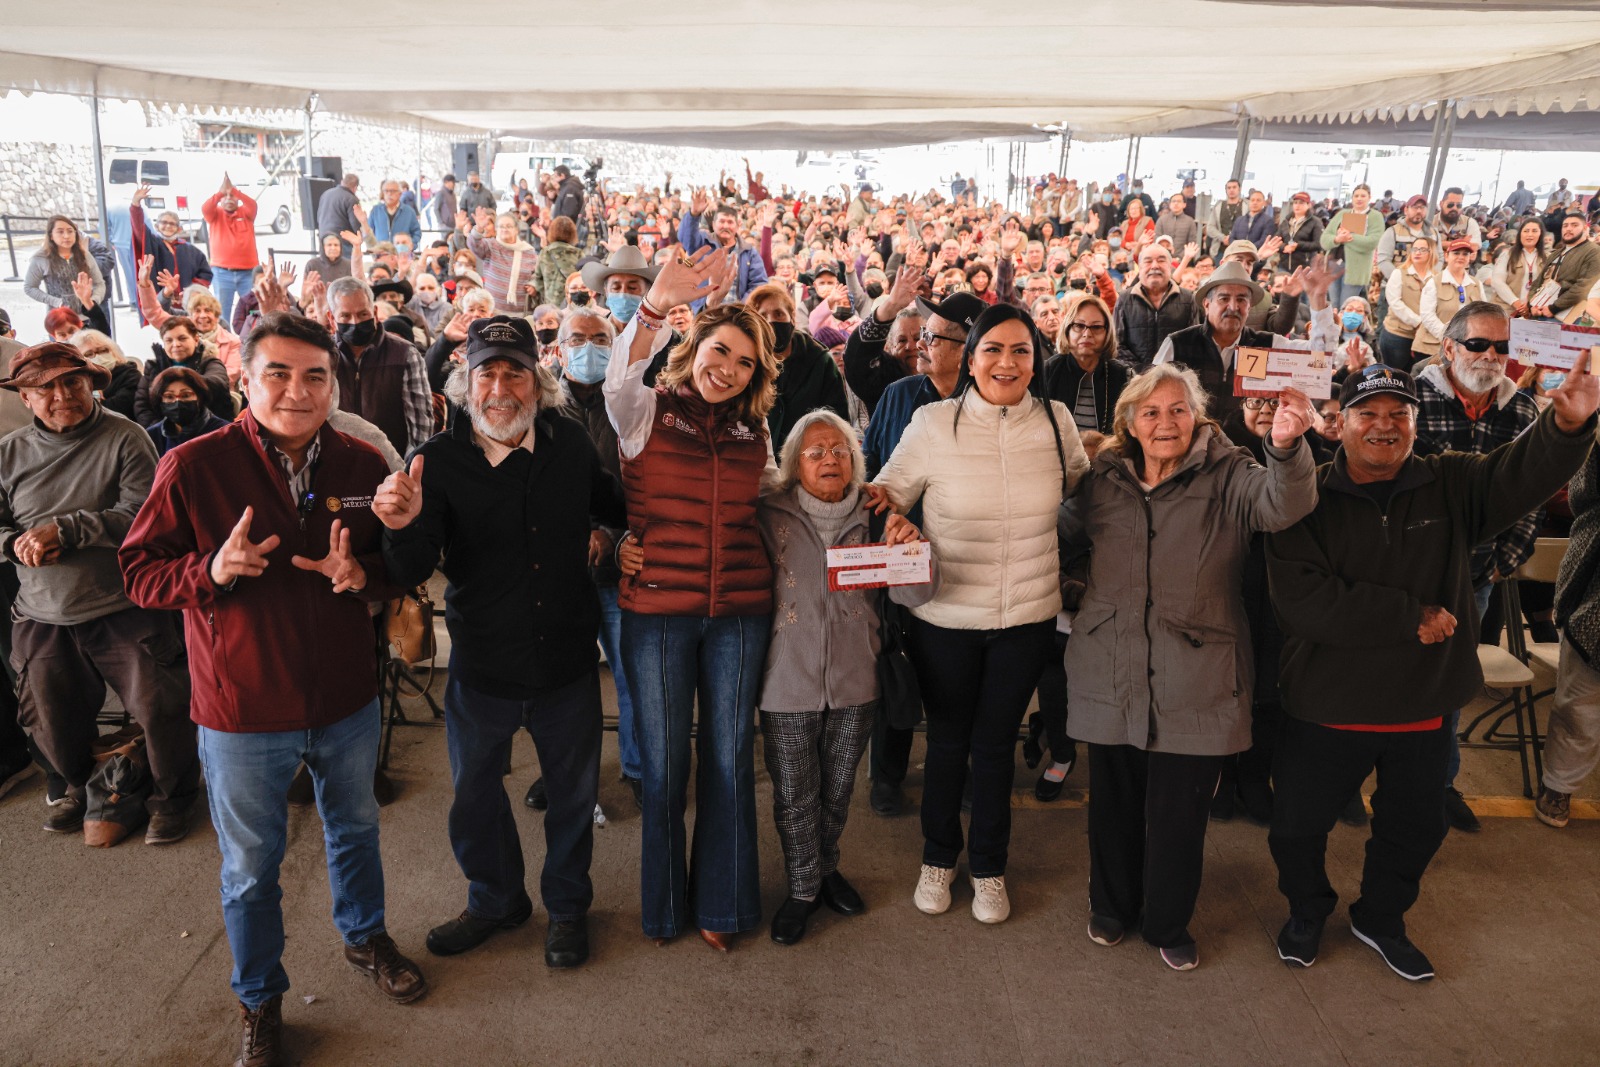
<point x="625" y="260"/>
<point x="1229" y="274"/>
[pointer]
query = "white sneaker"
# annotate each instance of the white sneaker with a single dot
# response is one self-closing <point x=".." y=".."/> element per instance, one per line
<point x="989" y="901"/>
<point x="933" y="889"/>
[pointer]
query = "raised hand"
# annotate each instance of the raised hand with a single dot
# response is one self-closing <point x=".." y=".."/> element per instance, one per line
<point x="902" y="294"/>
<point x="1318" y="278"/>
<point x="1271" y="246"/>
<point x="699" y="202"/>
<point x="359" y="212"/>
<point x="145" y="266"/>
<point x="1295" y="416"/>
<point x="338" y="566"/>
<point x="270" y="293"/>
<point x="168" y="282"/>
<point x="83" y="289"/>
<point x="312" y="291"/>
<point x="239" y="557"/>
<point x="1578" y="395"/>
<point x="682" y="282"/>
<point x="456" y="328"/>
<point x="722" y="281"/>
<point x="141" y="194"/>
<point x="286" y="274"/>
<point x="398" y="500"/>
<point x="461" y="220"/>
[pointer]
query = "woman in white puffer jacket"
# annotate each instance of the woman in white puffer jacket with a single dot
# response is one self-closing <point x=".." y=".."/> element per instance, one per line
<point x="990" y="466"/>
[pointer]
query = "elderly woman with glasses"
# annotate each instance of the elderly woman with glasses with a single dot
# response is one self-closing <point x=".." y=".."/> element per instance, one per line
<point x="1160" y="658"/>
<point x="126" y="373"/>
<point x="164" y="239"/>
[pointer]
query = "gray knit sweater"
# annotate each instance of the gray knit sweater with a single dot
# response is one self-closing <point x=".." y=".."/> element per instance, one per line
<point x="90" y="481"/>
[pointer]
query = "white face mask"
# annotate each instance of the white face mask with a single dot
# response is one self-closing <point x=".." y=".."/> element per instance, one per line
<point x="428" y="296"/>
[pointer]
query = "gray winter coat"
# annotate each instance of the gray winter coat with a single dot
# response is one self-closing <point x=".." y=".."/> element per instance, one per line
<point x="1160" y="653"/>
<point x="824" y="647"/>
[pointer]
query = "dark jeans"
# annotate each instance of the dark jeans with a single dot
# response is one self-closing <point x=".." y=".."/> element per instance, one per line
<point x="62" y="672"/>
<point x="13" y="742"/>
<point x="1147" y="837"/>
<point x="565" y="723"/>
<point x="1053" y="704"/>
<point x="891" y="750"/>
<point x="1316" y="772"/>
<point x="1394" y="350"/>
<point x="1255" y="763"/>
<point x="975" y="687"/>
<point x="673" y="663"/>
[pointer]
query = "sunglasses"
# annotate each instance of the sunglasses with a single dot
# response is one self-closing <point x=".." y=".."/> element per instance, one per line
<point x="1483" y="344"/>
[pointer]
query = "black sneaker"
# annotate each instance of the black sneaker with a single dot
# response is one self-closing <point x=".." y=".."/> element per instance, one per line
<point x="1403" y="958"/>
<point x="1459" y="815"/>
<point x="1298" y="941"/>
<point x="1105" y="930"/>
<point x="885" y="798"/>
<point x="636" y="787"/>
<point x="65" y="815"/>
<point x="536" y="798"/>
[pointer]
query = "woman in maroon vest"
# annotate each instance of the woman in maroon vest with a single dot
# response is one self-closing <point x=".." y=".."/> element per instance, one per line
<point x="695" y="620"/>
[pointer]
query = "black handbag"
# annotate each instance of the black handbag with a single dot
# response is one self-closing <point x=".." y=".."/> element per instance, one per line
<point x="897" y="678"/>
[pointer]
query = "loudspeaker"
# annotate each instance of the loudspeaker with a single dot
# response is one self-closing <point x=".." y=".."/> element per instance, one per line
<point x="330" y="167"/>
<point x="311" y="192"/>
<point x="464" y="158"/>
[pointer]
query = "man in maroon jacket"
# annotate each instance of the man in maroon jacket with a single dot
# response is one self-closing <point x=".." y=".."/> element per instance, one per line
<point x="263" y="535"/>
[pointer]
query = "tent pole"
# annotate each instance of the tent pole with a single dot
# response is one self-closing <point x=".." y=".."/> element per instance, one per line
<point x="1066" y="153"/>
<point x="1445" y="137"/>
<point x="1433" y="150"/>
<point x="1241" y="148"/>
<point x="311" y="102"/>
<point x="418" y="187"/>
<point x="100" y="184"/>
<point x="1127" y="167"/>
<point x="1138" y="146"/>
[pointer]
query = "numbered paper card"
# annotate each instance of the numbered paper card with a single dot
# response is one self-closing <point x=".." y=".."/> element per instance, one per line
<point x="877" y="566"/>
<point x="1547" y="343"/>
<point x="1266" y="372"/>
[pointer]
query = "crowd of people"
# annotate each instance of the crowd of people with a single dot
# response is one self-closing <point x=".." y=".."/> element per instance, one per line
<point x="638" y="421"/>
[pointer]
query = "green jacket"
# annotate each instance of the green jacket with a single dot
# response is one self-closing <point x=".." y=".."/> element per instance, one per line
<point x="1350" y="580"/>
<point x="1359" y="249"/>
<point x="558" y="260"/>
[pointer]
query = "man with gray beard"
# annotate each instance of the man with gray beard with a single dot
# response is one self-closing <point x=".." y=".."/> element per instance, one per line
<point x="503" y="503"/>
<point x="1469" y="405"/>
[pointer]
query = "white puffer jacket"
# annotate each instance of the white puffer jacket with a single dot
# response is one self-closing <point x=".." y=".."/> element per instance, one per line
<point x="990" y="488"/>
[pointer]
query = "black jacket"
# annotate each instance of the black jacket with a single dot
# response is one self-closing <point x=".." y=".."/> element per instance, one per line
<point x="1141" y="328"/>
<point x="124" y="387"/>
<point x="521" y="608"/>
<point x="1350" y="580"/>
<point x="204" y="363"/>
<point x="568" y="199"/>
<point x="868" y="369"/>
<point x="807" y="380"/>
<point x="1062" y="378"/>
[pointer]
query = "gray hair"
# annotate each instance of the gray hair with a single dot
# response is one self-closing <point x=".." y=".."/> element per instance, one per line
<point x="569" y="320"/>
<point x="544" y="309"/>
<point x="350" y="285"/>
<point x="1456" y="329"/>
<point x="87" y="337"/>
<point x="789" y="467"/>
<point x="196" y="295"/>
<point x="549" y="399"/>
<point x="472" y="296"/>
<point x="911" y="311"/>
<point x="1139" y="390"/>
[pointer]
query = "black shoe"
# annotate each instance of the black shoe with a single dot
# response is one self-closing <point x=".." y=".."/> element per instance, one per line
<point x="468" y="931"/>
<point x="301" y="791"/>
<point x="1256" y="800"/>
<point x="635" y="786"/>
<point x="1544" y="632"/>
<point x="536" y="798"/>
<point x="1050" y="791"/>
<point x="1403" y="958"/>
<point x="1355" y="812"/>
<point x="1298" y="941"/>
<point x="382" y="788"/>
<point x="65" y="816"/>
<point x="1222" y="803"/>
<point x="1105" y="930"/>
<point x="566" y="944"/>
<point x="841" y="896"/>
<point x="1459" y="815"/>
<point x="885" y="798"/>
<point x="1032" y="750"/>
<point x="789" y="924"/>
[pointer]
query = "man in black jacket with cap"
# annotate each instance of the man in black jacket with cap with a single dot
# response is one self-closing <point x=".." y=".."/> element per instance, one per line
<point x="506" y="501"/>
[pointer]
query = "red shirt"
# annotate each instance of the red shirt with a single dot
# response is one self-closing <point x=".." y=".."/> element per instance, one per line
<point x="233" y="233"/>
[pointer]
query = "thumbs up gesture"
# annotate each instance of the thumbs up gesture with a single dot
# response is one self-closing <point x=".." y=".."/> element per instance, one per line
<point x="398" y="500"/>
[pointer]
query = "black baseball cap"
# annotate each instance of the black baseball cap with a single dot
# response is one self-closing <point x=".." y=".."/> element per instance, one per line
<point x="1374" y="381"/>
<point x="502" y="337"/>
<point x="826" y="268"/>
<point x="962" y="309"/>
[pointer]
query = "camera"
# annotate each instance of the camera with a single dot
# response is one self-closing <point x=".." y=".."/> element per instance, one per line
<point x="591" y="176"/>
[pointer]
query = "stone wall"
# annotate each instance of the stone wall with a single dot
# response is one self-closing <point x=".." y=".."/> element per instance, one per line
<point x="47" y="179"/>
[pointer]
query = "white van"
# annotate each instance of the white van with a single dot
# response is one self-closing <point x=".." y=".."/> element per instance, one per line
<point x="527" y="165"/>
<point x="183" y="181"/>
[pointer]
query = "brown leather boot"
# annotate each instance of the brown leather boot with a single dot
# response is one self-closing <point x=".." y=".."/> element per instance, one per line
<point x="262" y="1042"/>
<point x="397" y="977"/>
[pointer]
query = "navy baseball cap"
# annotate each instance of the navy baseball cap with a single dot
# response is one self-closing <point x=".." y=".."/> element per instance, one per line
<point x="1374" y="381"/>
<point x="502" y="337"/>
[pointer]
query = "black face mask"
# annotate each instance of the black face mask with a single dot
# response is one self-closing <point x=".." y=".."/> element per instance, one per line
<point x="782" y="334"/>
<point x="843" y="313"/>
<point x="874" y="290"/>
<point x="1079" y="283"/>
<point x="578" y="299"/>
<point x="546" y="336"/>
<point x="358" y="334"/>
<point x="181" y="412"/>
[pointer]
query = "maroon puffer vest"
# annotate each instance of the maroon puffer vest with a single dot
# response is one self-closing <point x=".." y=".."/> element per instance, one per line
<point x="692" y="503"/>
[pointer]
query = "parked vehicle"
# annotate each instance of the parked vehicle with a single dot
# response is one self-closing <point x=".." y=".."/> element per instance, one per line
<point x="183" y="181"/>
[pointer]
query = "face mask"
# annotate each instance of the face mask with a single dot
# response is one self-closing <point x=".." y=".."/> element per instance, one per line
<point x="103" y="359"/>
<point x="547" y="335"/>
<point x="359" y="334"/>
<point x="578" y="298"/>
<point x="1079" y="283"/>
<point x="782" y="334"/>
<point x="182" y="412"/>
<point x="1353" y="321"/>
<point x="843" y="313"/>
<point x="428" y="297"/>
<point x="1105" y="198"/>
<point x="587" y="363"/>
<point x="461" y="268"/>
<point x="1115" y="242"/>
<point x="874" y="290"/>
<point x="1551" y="381"/>
<point x="623" y="305"/>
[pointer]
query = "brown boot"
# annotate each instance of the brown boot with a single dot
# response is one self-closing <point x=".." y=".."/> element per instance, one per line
<point x="262" y="1042"/>
<point x="398" y="978"/>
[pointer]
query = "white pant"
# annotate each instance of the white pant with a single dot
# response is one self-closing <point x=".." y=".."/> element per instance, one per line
<point x="1572" y="742"/>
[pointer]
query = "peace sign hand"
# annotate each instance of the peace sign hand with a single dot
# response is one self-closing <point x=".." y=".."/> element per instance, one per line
<point x="239" y="557"/>
<point x="339" y="566"/>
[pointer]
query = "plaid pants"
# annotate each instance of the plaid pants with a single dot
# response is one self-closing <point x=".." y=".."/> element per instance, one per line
<point x="811" y="757"/>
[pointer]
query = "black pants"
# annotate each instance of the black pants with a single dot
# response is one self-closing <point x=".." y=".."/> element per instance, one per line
<point x="1255" y="763"/>
<point x="975" y="687"/>
<point x="891" y="749"/>
<point x="13" y="742"/>
<point x="1147" y="837"/>
<point x="1316" y="771"/>
<point x="1053" y="704"/>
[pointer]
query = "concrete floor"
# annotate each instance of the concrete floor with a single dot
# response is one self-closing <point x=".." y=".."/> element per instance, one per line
<point x="119" y="956"/>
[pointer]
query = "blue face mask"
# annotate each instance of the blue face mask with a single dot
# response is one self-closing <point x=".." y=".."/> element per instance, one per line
<point x="1551" y="380"/>
<point x="587" y="363"/>
<point x="1115" y="242"/>
<point x="1105" y="198"/>
<point x="623" y="305"/>
<point x="1353" y="321"/>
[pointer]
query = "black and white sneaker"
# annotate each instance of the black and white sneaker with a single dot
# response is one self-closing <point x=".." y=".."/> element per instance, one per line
<point x="1403" y="958"/>
<point x="1298" y="941"/>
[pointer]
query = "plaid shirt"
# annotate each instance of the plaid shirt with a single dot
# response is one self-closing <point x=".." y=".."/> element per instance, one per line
<point x="1443" y="426"/>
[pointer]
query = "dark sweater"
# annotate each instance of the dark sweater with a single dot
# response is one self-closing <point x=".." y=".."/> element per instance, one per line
<point x="521" y="608"/>
<point x="1350" y="580"/>
<point x="807" y="380"/>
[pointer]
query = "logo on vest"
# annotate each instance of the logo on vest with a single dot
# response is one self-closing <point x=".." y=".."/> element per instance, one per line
<point x="740" y="432"/>
<point x="339" y="503"/>
<point x="672" y="422"/>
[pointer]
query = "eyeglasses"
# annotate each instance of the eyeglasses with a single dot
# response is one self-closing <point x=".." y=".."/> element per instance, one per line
<point x="1086" y="327"/>
<point x="1260" y="403"/>
<point x="927" y="337"/>
<point x="1483" y="344"/>
<point x="838" y="452"/>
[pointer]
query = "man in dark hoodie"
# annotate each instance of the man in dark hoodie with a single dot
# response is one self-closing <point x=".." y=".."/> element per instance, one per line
<point x="807" y="376"/>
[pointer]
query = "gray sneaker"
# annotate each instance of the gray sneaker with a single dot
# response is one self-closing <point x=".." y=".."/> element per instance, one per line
<point x="1553" y="808"/>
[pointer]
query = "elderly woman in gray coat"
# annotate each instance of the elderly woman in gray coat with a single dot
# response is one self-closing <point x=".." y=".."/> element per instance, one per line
<point x="1159" y="664"/>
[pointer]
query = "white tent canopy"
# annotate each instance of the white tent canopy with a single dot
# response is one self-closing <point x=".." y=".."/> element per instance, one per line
<point x="826" y="73"/>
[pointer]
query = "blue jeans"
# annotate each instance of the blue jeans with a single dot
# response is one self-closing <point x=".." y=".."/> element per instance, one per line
<point x="1346" y="291"/>
<point x="247" y="779"/>
<point x="229" y="283"/>
<point x="1452" y="721"/>
<point x="611" y="641"/>
<point x="671" y="660"/>
<point x="565" y="725"/>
